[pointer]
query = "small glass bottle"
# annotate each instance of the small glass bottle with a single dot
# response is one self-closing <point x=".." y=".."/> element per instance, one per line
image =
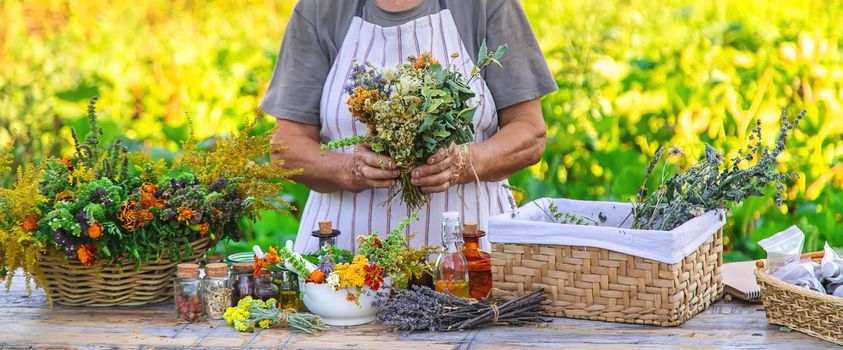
<point x="264" y="288"/>
<point x="243" y="282"/>
<point x="216" y="290"/>
<point x="326" y="234"/>
<point x="288" y="290"/>
<point x="188" y="293"/>
<point x="479" y="261"/>
<point x="451" y="265"/>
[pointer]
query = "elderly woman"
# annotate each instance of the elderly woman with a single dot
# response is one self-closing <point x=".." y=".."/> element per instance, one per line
<point x="322" y="40"/>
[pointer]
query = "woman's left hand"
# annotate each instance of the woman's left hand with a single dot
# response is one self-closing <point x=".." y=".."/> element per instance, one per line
<point x="442" y="170"/>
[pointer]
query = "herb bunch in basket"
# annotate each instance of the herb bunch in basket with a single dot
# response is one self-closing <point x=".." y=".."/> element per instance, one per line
<point x="412" y="111"/>
<point x="710" y="184"/>
<point x="106" y="205"/>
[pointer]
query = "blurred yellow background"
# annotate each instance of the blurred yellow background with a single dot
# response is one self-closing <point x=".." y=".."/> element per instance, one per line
<point x="633" y="75"/>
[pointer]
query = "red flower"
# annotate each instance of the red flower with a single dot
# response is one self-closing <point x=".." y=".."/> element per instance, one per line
<point x="30" y="224"/>
<point x="374" y="276"/>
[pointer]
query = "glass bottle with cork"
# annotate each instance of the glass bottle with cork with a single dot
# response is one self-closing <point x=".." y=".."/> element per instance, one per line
<point x="451" y="265"/>
<point x="288" y="289"/>
<point x="479" y="261"/>
<point x="326" y="233"/>
<point x="216" y="290"/>
<point x="188" y="293"/>
<point x="243" y="283"/>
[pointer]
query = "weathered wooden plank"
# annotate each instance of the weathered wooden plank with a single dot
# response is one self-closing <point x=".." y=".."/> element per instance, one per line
<point x="29" y="322"/>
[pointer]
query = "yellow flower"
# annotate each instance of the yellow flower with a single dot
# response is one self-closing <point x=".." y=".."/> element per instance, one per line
<point x="264" y="324"/>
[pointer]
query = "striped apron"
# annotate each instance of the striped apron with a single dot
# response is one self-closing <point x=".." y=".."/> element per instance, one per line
<point x="362" y="213"/>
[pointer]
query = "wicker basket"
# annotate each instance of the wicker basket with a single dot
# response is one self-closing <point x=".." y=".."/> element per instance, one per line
<point x="600" y="284"/>
<point x="71" y="283"/>
<point x="801" y="309"/>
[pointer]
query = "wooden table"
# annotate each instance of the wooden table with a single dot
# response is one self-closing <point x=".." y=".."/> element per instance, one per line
<point x="27" y="322"/>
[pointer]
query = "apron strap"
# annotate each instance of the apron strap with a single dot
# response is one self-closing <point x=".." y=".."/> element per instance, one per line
<point x="443" y="5"/>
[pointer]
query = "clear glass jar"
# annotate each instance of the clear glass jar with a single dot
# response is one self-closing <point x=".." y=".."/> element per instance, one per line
<point x="216" y="290"/>
<point x="451" y="265"/>
<point x="243" y="282"/>
<point x="264" y="288"/>
<point x="479" y="262"/>
<point x="188" y="293"/>
<point x="288" y="289"/>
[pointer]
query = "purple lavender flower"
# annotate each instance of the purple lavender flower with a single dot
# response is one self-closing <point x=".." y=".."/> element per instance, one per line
<point x="218" y="186"/>
<point x="82" y="219"/>
<point x="325" y="264"/>
<point x="61" y="239"/>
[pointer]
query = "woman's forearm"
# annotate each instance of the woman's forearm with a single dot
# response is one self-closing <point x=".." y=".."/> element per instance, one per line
<point x="321" y="174"/>
<point x="518" y="144"/>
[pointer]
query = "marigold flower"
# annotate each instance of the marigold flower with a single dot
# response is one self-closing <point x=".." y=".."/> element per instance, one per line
<point x="185" y="214"/>
<point x="87" y="254"/>
<point x="130" y="218"/>
<point x="317" y="277"/>
<point x="30" y="224"/>
<point x="147" y="198"/>
<point x="95" y="230"/>
<point x="374" y="276"/>
<point x="351" y="297"/>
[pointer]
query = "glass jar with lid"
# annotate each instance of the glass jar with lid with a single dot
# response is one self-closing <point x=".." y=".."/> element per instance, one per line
<point x="243" y="281"/>
<point x="264" y="288"/>
<point x="216" y="290"/>
<point x="187" y="292"/>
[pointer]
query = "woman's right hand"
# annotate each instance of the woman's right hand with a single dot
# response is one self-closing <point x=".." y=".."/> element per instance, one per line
<point x="368" y="170"/>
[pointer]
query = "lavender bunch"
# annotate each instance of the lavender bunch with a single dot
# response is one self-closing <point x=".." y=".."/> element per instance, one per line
<point x="422" y="309"/>
<point x="710" y="184"/>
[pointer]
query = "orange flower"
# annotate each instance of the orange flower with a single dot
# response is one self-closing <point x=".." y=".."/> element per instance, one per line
<point x="185" y="214"/>
<point x="95" y="230"/>
<point x="147" y="198"/>
<point x="316" y="276"/>
<point x="87" y="254"/>
<point x="351" y="297"/>
<point x="66" y="196"/>
<point x="66" y="163"/>
<point x="270" y="258"/>
<point x="426" y="59"/>
<point x="259" y="266"/>
<point x="203" y="229"/>
<point x="30" y="224"/>
<point x="130" y="218"/>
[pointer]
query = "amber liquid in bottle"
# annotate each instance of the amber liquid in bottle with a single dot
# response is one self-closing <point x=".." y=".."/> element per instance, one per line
<point x="457" y="288"/>
<point x="479" y="263"/>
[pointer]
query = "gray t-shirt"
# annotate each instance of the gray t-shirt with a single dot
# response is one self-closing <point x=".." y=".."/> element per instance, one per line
<point x="317" y="28"/>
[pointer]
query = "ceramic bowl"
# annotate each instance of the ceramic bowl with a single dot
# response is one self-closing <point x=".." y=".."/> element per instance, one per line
<point x="335" y="310"/>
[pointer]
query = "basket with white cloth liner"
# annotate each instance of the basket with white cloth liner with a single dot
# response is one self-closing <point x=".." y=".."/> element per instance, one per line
<point x="608" y="271"/>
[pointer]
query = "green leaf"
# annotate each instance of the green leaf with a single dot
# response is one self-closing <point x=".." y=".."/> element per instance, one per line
<point x="499" y="53"/>
<point x="483" y="54"/>
<point x="441" y="133"/>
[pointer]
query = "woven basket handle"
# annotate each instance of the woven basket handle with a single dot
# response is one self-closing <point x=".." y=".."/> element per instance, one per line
<point x="812" y="255"/>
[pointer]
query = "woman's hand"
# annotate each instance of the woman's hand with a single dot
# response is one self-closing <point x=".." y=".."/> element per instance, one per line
<point x="442" y="170"/>
<point x="369" y="170"/>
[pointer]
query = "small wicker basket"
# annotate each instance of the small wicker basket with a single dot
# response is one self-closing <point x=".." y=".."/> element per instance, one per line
<point x="801" y="309"/>
<point x="600" y="284"/>
<point x="71" y="283"/>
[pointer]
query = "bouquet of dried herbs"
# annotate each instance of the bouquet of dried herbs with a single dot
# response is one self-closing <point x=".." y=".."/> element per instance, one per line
<point x="255" y="313"/>
<point x="422" y="309"/>
<point x="412" y="111"/>
<point x="710" y="183"/>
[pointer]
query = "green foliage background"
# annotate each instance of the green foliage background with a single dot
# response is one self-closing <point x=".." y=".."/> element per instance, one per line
<point x="633" y="75"/>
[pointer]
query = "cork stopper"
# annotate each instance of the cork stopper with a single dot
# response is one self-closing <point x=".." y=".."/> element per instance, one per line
<point x="243" y="267"/>
<point x="470" y="227"/>
<point x="216" y="270"/>
<point x="471" y="230"/>
<point x="187" y="270"/>
<point x="326" y="227"/>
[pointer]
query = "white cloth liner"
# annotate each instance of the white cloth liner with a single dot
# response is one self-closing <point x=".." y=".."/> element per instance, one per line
<point x="530" y="224"/>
